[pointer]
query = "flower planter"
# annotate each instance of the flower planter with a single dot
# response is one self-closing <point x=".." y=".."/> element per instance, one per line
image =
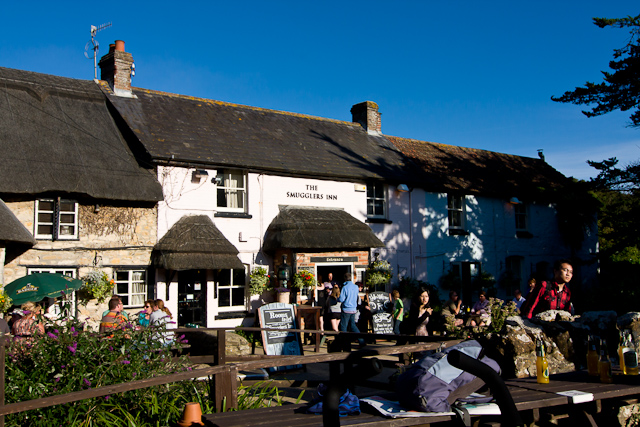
<point x="284" y="297"/>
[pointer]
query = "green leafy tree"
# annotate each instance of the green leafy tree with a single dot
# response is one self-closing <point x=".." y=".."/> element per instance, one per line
<point x="620" y="89"/>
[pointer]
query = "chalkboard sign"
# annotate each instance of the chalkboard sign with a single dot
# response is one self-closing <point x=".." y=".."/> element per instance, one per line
<point x="382" y="323"/>
<point x="380" y="303"/>
<point x="280" y="316"/>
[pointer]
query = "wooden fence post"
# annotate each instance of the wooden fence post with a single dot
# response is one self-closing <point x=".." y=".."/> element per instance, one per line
<point x="2" y="366"/>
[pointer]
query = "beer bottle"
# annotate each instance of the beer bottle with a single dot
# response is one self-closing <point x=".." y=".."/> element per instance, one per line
<point x="592" y="357"/>
<point x="542" y="367"/>
<point x="620" y="350"/>
<point x="604" y="365"/>
<point x="629" y="355"/>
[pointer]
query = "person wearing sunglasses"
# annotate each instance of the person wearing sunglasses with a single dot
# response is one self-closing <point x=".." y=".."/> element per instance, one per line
<point x="143" y="316"/>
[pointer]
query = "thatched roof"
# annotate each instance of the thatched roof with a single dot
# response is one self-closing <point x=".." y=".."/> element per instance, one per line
<point x="194" y="242"/>
<point x="318" y="228"/>
<point x="449" y="168"/>
<point x="58" y="136"/>
<point x="11" y="229"/>
<point x="205" y="132"/>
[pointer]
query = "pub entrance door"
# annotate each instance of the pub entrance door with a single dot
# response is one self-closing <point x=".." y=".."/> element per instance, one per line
<point x="192" y="298"/>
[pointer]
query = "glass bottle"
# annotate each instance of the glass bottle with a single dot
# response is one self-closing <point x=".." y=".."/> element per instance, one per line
<point x="629" y="355"/>
<point x="592" y="357"/>
<point x="542" y="367"/>
<point x="620" y="350"/>
<point x="604" y="364"/>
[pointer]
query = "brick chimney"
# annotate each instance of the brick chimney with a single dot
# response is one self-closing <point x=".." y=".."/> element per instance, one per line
<point x="367" y="115"/>
<point x="115" y="68"/>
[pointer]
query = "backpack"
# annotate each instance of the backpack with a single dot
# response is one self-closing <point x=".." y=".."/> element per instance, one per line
<point x="433" y="385"/>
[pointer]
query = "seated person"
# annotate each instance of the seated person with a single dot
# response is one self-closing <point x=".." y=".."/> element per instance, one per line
<point x="114" y="318"/>
<point x="554" y="295"/>
<point x="480" y="312"/>
<point x="518" y="298"/>
<point x="452" y="308"/>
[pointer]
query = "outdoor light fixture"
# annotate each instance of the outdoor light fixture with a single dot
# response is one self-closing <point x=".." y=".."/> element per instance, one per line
<point x="403" y="188"/>
<point x="515" y="201"/>
<point x="197" y="174"/>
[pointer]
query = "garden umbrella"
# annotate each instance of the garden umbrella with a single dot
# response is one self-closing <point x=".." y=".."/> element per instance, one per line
<point x="37" y="286"/>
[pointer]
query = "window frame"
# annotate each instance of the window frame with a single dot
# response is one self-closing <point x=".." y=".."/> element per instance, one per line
<point x="371" y="197"/>
<point x="130" y="282"/>
<point x="57" y="221"/>
<point x="521" y="212"/>
<point x="230" y="287"/>
<point x="459" y="211"/>
<point x="220" y="179"/>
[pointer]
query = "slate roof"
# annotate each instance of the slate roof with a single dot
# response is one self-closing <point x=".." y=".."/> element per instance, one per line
<point x="318" y="228"/>
<point x="57" y="136"/>
<point x="449" y="168"/>
<point x="194" y="242"/>
<point x="205" y="132"/>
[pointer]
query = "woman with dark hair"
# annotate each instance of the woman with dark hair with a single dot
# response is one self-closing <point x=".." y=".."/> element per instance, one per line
<point x="420" y="313"/>
<point x="333" y="308"/>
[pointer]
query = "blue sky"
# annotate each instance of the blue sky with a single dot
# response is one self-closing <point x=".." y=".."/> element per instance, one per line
<point x="468" y="73"/>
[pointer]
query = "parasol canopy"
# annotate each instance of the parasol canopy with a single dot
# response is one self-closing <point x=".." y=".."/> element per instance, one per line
<point x="35" y="287"/>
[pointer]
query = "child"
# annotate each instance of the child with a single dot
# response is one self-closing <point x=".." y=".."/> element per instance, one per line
<point x="398" y="311"/>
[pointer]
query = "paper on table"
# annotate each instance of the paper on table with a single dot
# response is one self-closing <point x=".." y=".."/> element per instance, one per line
<point x="577" y="396"/>
<point x="393" y="409"/>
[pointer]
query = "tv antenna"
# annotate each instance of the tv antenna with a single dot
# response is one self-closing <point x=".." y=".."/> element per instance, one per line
<point x="94" y="45"/>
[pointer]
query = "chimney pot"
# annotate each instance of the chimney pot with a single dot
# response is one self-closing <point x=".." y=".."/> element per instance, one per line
<point x="112" y="47"/>
<point x="120" y="45"/>
<point x="116" y="68"/>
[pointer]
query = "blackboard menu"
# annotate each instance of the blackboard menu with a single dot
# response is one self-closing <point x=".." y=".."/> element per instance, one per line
<point x="279" y="316"/>
<point x="380" y="302"/>
<point x="382" y="323"/>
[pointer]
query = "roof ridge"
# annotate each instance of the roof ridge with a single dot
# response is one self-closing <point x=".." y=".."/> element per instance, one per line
<point x="249" y="107"/>
<point x="460" y="147"/>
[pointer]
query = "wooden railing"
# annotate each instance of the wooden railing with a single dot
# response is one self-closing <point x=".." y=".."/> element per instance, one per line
<point x="224" y="373"/>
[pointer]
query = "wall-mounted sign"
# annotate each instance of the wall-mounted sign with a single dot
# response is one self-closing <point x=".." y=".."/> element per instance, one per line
<point x="311" y="192"/>
<point x="316" y="259"/>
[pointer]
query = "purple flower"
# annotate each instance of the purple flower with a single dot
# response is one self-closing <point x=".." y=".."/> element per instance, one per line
<point x="110" y="348"/>
<point x="73" y="347"/>
<point x="107" y="397"/>
<point x="52" y="335"/>
<point x="57" y="379"/>
<point x="56" y="331"/>
<point x="134" y="374"/>
<point x="87" y="382"/>
<point x="125" y="362"/>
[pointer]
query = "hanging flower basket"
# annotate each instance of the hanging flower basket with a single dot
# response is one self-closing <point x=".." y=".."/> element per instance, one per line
<point x="5" y="302"/>
<point x="97" y="285"/>
<point x="378" y="274"/>
<point x="258" y="281"/>
<point x="303" y="279"/>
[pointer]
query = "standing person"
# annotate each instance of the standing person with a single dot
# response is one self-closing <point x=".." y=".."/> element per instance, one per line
<point x="532" y="285"/>
<point x="364" y="310"/>
<point x="332" y="308"/>
<point x="349" y="300"/>
<point x="420" y="313"/>
<point x="398" y="311"/>
<point x="452" y="308"/>
<point x="330" y="280"/>
<point x="551" y="295"/>
<point x="518" y="298"/>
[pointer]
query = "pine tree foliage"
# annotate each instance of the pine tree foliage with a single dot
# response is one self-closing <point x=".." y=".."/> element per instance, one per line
<point x="620" y="89"/>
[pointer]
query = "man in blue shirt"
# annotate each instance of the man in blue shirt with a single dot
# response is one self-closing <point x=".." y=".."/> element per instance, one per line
<point x="349" y="300"/>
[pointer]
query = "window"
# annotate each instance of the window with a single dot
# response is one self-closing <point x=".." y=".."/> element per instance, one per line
<point x="232" y="191"/>
<point x="455" y="208"/>
<point x="376" y="200"/>
<point x="131" y="286"/>
<point x="230" y="285"/>
<point x="56" y="219"/>
<point x="522" y="223"/>
<point x="63" y="271"/>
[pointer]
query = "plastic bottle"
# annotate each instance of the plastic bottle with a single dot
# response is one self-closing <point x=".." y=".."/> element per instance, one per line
<point x="629" y="355"/>
<point x="592" y="357"/>
<point x="604" y="365"/>
<point x="542" y="367"/>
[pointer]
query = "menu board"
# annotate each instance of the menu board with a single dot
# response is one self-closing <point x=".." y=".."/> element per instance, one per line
<point x="381" y="306"/>
<point x="279" y="316"/>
